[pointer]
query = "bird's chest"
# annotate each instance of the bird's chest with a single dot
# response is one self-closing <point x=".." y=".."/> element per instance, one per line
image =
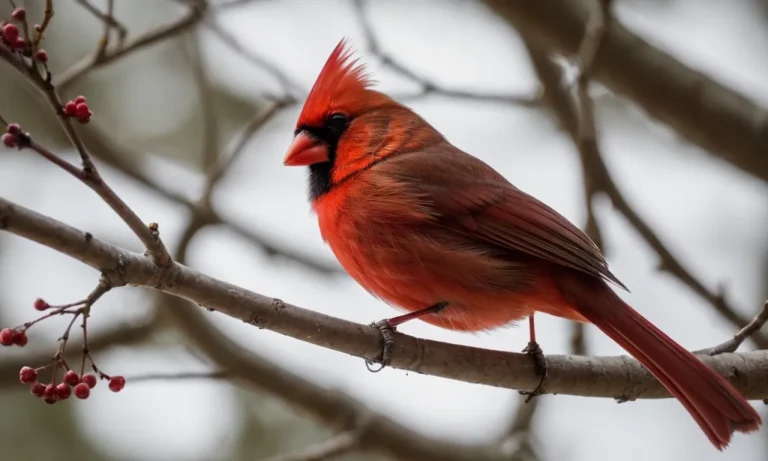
<point x="391" y="246"/>
<point x="377" y="244"/>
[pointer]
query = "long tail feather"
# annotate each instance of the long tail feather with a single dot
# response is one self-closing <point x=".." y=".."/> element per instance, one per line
<point x="711" y="400"/>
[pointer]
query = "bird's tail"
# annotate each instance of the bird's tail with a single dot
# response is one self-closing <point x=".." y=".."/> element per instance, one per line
<point x="714" y="403"/>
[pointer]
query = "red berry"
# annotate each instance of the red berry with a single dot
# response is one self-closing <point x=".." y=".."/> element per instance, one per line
<point x="37" y="389"/>
<point x="41" y="55"/>
<point x="82" y="391"/>
<point x="116" y="383"/>
<point x="19" y="43"/>
<point x="69" y="108"/>
<point x="41" y="305"/>
<point x="72" y="378"/>
<point x="19" y="14"/>
<point x="82" y="111"/>
<point x="14" y="128"/>
<point x="27" y="375"/>
<point x="6" y="337"/>
<point x="80" y="99"/>
<point x="89" y="380"/>
<point x="10" y="33"/>
<point x="8" y="140"/>
<point x="20" y="338"/>
<point x="63" y="391"/>
<point x="50" y="392"/>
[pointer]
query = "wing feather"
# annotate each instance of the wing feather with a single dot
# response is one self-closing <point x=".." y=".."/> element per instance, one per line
<point x="473" y="199"/>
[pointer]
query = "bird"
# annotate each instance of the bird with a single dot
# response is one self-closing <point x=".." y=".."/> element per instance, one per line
<point x="443" y="237"/>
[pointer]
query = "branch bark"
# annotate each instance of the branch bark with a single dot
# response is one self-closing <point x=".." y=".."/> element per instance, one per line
<point x="701" y="110"/>
<point x="617" y="377"/>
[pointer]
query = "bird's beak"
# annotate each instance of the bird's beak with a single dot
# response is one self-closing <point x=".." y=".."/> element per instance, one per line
<point x="306" y="150"/>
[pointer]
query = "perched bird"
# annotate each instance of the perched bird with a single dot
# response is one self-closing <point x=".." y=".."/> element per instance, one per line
<point x="441" y="235"/>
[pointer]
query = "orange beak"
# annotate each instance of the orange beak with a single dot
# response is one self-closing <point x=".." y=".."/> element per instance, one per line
<point x="306" y="150"/>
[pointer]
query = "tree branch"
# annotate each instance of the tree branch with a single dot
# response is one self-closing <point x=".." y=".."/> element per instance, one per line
<point x="618" y="377"/>
<point x="102" y="57"/>
<point x="428" y="86"/>
<point x="701" y="110"/>
<point x="339" y="444"/>
<point x="597" y="179"/>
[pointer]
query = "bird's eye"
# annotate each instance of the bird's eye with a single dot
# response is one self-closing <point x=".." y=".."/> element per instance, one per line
<point x="337" y="123"/>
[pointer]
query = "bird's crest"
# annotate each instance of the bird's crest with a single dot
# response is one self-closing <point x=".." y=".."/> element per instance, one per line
<point x="339" y="83"/>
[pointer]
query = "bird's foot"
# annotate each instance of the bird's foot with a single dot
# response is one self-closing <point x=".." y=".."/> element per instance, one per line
<point x="376" y="364"/>
<point x="540" y="367"/>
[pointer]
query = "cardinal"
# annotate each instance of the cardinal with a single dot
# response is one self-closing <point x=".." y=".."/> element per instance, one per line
<point x="441" y="235"/>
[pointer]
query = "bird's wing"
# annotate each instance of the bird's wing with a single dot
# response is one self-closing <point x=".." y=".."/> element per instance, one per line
<point x="472" y="198"/>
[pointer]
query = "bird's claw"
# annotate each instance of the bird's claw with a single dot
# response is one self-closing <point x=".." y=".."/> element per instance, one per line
<point x="376" y="364"/>
<point x="540" y="367"/>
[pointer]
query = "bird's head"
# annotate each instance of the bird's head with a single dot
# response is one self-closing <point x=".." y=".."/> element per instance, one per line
<point x="345" y="126"/>
<point x="340" y="95"/>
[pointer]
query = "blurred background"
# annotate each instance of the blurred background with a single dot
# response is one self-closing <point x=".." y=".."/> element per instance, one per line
<point x="165" y="115"/>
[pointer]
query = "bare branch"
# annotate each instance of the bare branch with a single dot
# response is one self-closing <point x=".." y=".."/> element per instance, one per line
<point x="217" y="170"/>
<point x="337" y="445"/>
<point x="288" y="85"/>
<point x="101" y="58"/>
<point x="702" y="111"/>
<point x="597" y="180"/>
<point x="202" y="375"/>
<point x="116" y="156"/>
<point x="429" y="87"/>
<point x="749" y="330"/>
<point x="110" y="22"/>
<point x="573" y="375"/>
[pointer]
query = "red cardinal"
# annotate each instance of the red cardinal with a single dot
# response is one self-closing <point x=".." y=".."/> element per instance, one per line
<point x="437" y="232"/>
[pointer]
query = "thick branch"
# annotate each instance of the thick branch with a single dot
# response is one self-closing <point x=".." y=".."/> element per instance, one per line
<point x="704" y="112"/>
<point x="618" y="377"/>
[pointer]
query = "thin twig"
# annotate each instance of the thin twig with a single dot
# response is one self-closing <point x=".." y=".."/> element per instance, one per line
<point x="89" y="63"/>
<point x="586" y="135"/>
<point x="40" y="32"/>
<point x="287" y="84"/>
<point x="518" y="440"/>
<point x="110" y="22"/>
<point x="209" y="121"/>
<point x="189" y="376"/>
<point x="217" y="170"/>
<point x="119" y="335"/>
<point x="749" y="329"/>
<point x="428" y="86"/>
<point x="337" y="445"/>
<point x="88" y="173"/>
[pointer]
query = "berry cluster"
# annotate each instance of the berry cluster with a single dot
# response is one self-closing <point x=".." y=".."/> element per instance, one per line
<point x="78" y="108"/>
<point x="14" y="136"/>
<point x="10" y="35"/>
<point x="72" y="382"/>
<point x="13" y="337"/>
